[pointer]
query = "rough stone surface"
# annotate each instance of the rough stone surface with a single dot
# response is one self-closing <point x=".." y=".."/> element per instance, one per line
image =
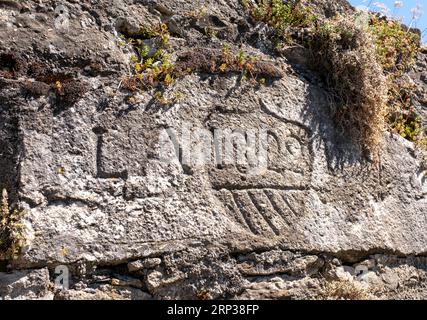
<point x="101" y="199"/>
<point x="419" y="77"/>
<point x="33" y="284"/>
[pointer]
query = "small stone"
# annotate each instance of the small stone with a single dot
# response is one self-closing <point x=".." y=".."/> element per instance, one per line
<point x="23" y="285"/>
<point x="148" y="263"/>
<point x="126" y="282"/>
<point x="128" y="26"/>
<point x="391" y="279"/>
<point x="365" y="265"/>
<point x="336" y="262"/>
<point x="370" y="278"/>
<point x="344" y="273"/>
<point x="154" y="280"/>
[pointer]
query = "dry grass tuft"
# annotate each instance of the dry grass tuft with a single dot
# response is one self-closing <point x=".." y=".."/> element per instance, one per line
<point x="346" y="55"/>
<point x="344" y="290"/>
<point x="363" y="65"/>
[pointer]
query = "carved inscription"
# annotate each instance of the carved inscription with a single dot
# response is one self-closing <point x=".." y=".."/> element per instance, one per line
<point x="266" y="202"/>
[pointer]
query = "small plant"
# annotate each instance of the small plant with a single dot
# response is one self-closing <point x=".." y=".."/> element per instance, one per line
<point x="164" y="101"/>
<point x="154" y="70"/>
<point x="402" y="117"/>
<point x="246" y="64"/>
<point x="408" y="126"/>
<point x="203" y="295"/>
<point x="396" y="48"/>
<point x="59" y="87"/>
<point x="225" y="61"/>
<point x="196" y="14"/>
<point x="210" y="32"/>
<point x="151" y="66"/>
<point x="223" y="67"/>
<point x="68" y="92"/>
<point x="11" y="230"/>
<point x="35" y="88"/>
<point x="282" y="16"/>
<point x="344" y="290"/>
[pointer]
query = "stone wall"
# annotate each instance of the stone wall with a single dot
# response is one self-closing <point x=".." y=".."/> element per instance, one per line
<point x="139" y="200"/>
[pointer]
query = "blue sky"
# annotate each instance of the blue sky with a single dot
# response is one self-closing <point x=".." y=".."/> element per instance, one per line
<point x="404" y="12"/>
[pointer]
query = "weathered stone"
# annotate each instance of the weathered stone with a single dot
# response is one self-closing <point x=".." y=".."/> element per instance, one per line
<point x="148" y="263"/>
<point x="343" y="273"/>
<point x="104" y="293"/>
<point x="110" y="179"/>
<point x="23" y="285"/>
<point x="370" y="278"/>
<point x="126" y="282"/>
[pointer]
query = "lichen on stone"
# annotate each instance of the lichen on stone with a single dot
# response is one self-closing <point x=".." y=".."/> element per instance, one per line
<point x="11" y="229"/>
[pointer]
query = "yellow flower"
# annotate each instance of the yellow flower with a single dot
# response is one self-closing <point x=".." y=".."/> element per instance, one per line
<point x="58" y="85"/>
